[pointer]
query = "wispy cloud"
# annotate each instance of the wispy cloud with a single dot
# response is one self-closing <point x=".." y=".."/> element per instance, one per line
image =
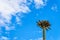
<point x="4" y="38"/>
<point x="12" y="7"/>
<point x="37" y="39"/>
<point x="39" y="3"/>
<point x="9" y="28"/>
<point x="54" y="8"/>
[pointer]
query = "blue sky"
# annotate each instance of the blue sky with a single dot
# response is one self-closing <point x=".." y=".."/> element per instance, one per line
<point x="18" y="22"/>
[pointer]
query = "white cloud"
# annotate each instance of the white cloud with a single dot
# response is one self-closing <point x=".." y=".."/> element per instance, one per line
<point x="54" y="8"/>
<point x="37" y="39"/>
<point x="39" y="3"/>
<point x="4" y="38"/>
<point x="9" y="28"/>
<point x="11" y="7"/>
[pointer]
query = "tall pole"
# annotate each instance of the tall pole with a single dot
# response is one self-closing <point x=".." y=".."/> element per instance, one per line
<point x="44" y="34"/>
